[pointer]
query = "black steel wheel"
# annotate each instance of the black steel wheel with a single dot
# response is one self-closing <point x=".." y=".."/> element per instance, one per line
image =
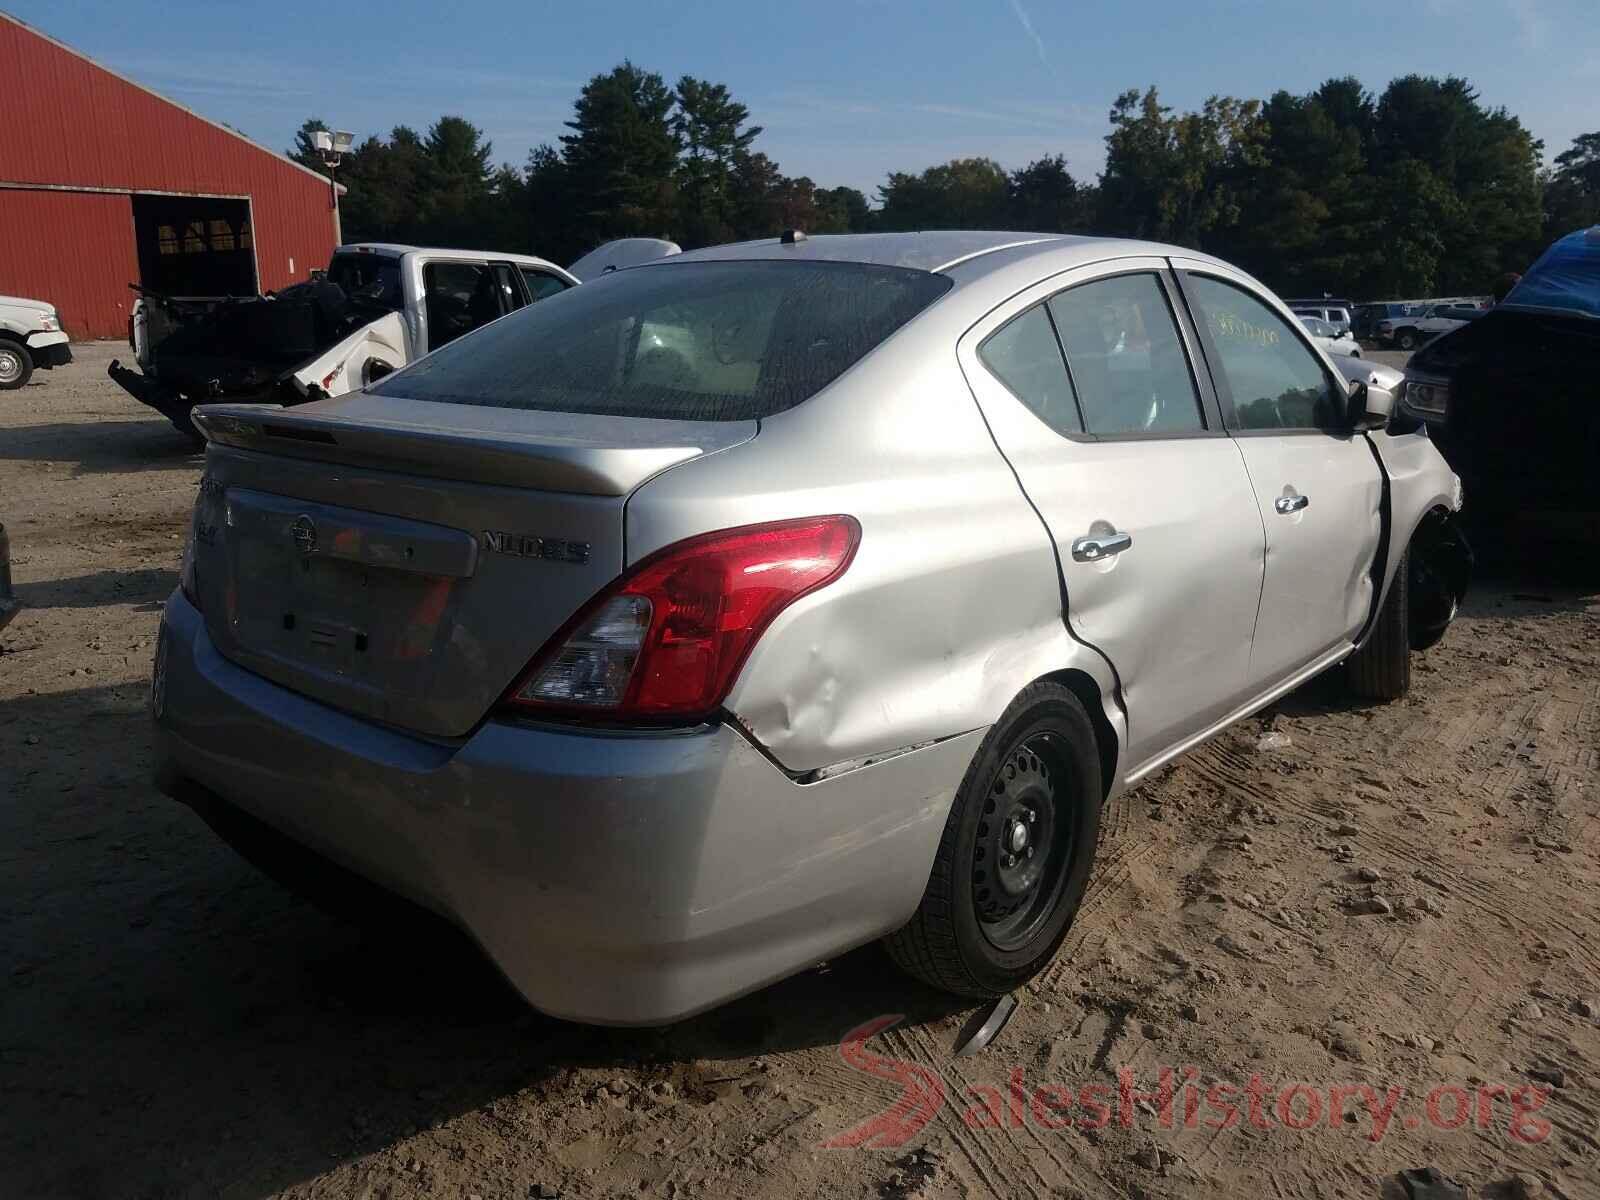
<point x="1023" y="844"/>
<point x="1016" y="852"/>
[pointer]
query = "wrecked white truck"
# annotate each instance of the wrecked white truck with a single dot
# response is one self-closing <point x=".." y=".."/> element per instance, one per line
<point x="375" y="309"/>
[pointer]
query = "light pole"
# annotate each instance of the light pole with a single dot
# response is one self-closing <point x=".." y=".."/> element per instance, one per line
<point x="333" y="146"/>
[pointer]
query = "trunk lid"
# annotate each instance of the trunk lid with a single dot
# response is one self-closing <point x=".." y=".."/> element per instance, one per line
<point x="404" y="560"/>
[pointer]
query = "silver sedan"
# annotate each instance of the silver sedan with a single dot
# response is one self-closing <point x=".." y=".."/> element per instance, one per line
<point x="727" y="612"/>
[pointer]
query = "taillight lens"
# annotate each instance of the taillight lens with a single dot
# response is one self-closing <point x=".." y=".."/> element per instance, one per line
<point x="666" y="641"/>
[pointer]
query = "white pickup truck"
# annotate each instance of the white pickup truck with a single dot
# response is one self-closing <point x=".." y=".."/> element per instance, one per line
<point x="377" y="308"/>
<point x="31" y="338"/>
<point x="1411" y="330"/>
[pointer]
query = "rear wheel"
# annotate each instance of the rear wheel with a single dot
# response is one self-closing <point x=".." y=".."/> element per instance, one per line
<point x="16" y="365"/>
<point x="1381" y="669"/>
<point x="1015" y="856"/>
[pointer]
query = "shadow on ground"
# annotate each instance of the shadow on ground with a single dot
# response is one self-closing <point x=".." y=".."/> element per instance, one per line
<point x="98" y="446"/>
<point x="152" y="970"/>
<point x="144" y="585"/>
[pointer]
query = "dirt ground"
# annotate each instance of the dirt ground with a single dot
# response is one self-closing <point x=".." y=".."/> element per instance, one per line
<point x="174" y="1025"/>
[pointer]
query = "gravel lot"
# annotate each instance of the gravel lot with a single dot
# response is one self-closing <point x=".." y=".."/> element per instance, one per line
<point x="1401" y="897"/>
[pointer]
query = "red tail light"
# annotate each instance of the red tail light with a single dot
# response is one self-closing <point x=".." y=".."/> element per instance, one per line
<point x="667" y="640"/>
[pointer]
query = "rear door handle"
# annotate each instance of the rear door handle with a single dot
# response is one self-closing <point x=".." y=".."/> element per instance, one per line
<point x="1290" y="504"/>
<point x="1097" y="546"/>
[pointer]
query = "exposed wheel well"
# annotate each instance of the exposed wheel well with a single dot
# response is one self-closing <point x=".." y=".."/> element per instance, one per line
<point x="1441" y="570"/>
<point x="1083" y="686"/>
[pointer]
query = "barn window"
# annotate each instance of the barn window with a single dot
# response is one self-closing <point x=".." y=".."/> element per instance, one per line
<point x="221" y="236"/>
<point x="244" y="235"/>
<point x="167" y="239"/>
<point x="194" y="237"/>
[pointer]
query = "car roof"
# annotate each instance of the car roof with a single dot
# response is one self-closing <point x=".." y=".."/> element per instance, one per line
<point x="976" y="251"/>
<point x="396" y="249"/>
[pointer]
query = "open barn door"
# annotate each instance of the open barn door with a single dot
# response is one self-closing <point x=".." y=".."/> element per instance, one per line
<point x="194" y="246"/>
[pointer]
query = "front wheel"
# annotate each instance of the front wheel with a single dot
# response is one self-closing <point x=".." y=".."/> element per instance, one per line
<point x="1381" y="669"/>
<point x="1015" y="856"/>
<point x="16" y="366"/>
<point x="1407" y="339"/>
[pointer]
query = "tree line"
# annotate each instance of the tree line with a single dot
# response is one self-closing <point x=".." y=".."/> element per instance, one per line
<point x="1420" y="190"/>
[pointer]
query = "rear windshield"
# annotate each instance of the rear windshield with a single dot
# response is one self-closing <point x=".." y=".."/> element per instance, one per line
<point x="371" y="279"/>
<point x="699" y="341"/>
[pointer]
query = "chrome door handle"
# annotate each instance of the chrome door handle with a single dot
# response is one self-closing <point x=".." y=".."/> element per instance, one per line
<point x="1290" y="504"/>
<point x="1097" y="546"/>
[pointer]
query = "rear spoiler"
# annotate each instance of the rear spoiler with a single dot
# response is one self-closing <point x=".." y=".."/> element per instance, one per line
<point x="564" y="452"/>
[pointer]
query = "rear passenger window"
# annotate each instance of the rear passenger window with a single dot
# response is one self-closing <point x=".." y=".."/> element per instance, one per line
<point x="1129" y="367"/>
<point x="1026" y="357"/>
<point x="458" y="298"/>
<point x="1275" y="380"/>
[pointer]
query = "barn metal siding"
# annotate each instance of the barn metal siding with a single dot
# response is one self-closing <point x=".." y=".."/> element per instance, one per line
<point x="73" y="124"/>
<point x="75" y="250"/>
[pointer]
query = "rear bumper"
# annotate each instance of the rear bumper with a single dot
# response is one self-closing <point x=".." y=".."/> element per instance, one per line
<point x="142" y="387"/>
<point x="616" y="879"/>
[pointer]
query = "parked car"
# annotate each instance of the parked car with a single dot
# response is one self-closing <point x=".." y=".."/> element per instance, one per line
<point x="376" y="308"/>
<point x="1413" y="329"/>
<point x="623" y="252"/>
<point x="732" y="610"/>
<point x="1513" y="397"/>
<point x="1335" y="312"/>
<point x="1365" y="318"/>
<point x="31" y="338"/>
<point x="1334" y="341"/>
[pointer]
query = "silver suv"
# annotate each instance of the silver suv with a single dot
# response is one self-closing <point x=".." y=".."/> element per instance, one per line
<point x="727" y="612"/>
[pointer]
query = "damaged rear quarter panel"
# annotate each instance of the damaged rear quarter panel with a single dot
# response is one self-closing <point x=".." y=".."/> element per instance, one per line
<point x="953" y="602"/>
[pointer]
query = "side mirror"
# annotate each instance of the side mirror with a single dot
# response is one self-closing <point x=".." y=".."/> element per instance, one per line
<point x="1370" y="406"/>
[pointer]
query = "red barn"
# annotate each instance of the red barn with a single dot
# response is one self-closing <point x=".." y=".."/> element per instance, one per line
<point x="103" y="183"/>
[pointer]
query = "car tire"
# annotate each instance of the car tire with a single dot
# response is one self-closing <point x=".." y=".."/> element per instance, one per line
<point x="16" y="365"/>
<point x="1406" y="339"/>
<point x="982" y="928"/>
<point x="1381" y="669"/>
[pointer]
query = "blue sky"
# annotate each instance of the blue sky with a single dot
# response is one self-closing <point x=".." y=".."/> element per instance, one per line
<point x="846" y="91"/>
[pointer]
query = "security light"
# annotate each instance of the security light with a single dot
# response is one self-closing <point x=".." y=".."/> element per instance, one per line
<point x="343" y="139"/>
<point x="322" y="141"/>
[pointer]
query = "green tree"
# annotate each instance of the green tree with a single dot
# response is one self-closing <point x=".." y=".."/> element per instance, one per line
<point x="621" y="156"/>
<point x="710" y="127"/>
<point x="1178" y="178"/>
<point x="1305" y="225"/>
<point x="458" y="185"/>
<point x="964" y="193"/>
<point x="842" y="210"/>
<point x="548" y="197"/>
<point x="1044" y="197"/>
<point x="1572" y="190"/>
<point x="1436" y="133"/>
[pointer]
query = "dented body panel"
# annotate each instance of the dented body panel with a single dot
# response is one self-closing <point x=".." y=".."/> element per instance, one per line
<point x="952" y="604"/>
<point x="347" y="365"/>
